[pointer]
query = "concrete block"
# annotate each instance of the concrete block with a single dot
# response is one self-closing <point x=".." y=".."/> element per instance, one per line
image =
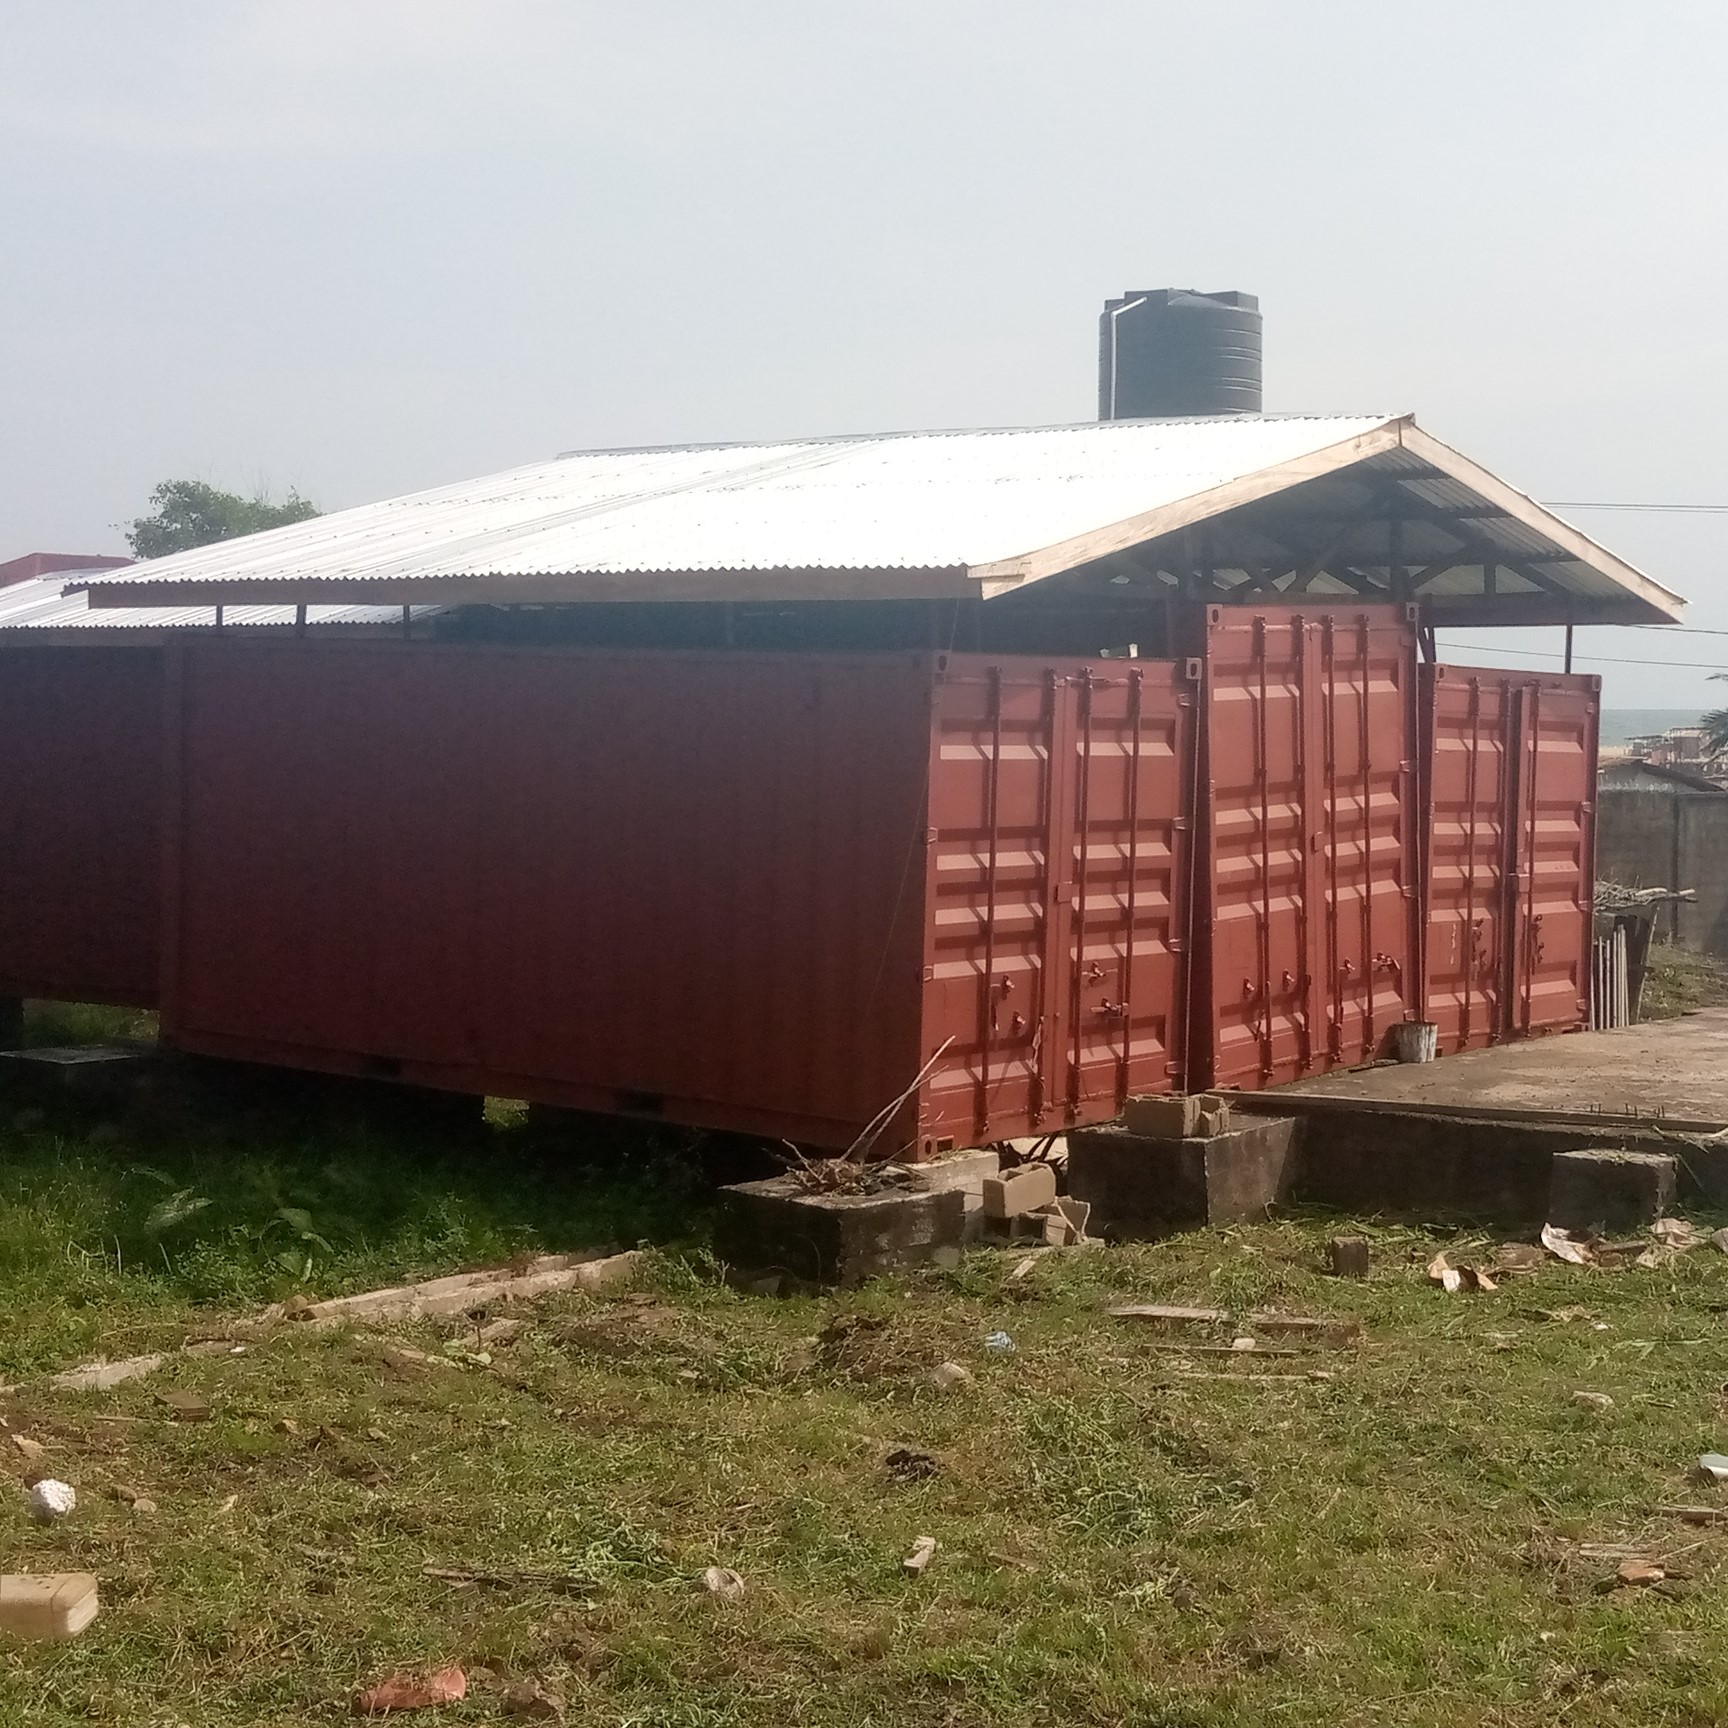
<point x="1139" y="1185"/>
<point x="1348" y="1257"/>
<point x="845" y="1239"/>
<point x="1179" y="1117"/>
<point x="1599" y="1188"/>
<point x="1030" y="1188"/>
<point x="1166" y="1118"/>
<point x="966" y="1171"/>
<point x="93" y="1070"/>
<point x="961" y="1172"/>
<point x="1077" y="1212"/>
<point x="1058" y="1232"/>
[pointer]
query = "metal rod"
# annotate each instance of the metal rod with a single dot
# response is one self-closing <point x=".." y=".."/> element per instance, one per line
<point x="1568" y="650"/>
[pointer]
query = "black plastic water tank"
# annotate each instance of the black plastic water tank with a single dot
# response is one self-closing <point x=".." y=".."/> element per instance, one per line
<point x="1174" y="351"/>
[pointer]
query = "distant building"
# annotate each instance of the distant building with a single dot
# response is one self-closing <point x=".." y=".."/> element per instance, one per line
<point x="1667" y="827"/>
<point x="1678" y="747"/>
<point x="34" y="564"/>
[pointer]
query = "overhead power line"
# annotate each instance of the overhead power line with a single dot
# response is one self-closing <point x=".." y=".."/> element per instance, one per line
<point x="1671" y="509"/>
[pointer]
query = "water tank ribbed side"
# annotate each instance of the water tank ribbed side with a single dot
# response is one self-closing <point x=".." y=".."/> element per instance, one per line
<point x="1172" y="351"/>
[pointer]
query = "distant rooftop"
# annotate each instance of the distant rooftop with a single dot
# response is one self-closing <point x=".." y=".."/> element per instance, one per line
<point x="50" y="563"/>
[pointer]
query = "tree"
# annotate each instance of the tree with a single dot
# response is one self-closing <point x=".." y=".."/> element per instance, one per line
<point x="188" y="513"/>
<point x="1715" y="723"/>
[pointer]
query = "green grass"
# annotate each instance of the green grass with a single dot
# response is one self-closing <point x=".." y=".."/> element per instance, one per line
<point x="1126" y="1536"/>
<point x="1681" y="982"/>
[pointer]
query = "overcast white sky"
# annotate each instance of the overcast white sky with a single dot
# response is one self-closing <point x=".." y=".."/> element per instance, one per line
<point x="361" y="247"/>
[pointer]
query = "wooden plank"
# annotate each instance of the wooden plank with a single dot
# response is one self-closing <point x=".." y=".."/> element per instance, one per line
<point x="1187" y="512"/>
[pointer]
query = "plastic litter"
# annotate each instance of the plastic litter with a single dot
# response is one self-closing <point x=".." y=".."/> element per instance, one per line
<point x="999" y="1342"/>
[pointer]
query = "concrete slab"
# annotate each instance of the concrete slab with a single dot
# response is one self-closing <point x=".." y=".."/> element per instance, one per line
<point x="821" y="1239"/>
<point x="1140" y="1186"/>
<point x="1669" y="1071"/>
<point x="90" y="1068"/>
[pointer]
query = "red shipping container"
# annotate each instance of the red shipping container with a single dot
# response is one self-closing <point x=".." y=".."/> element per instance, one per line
<point x="1307" y="942"/>
<point x="80" y="848"/>
<point x="752" y="892"/>
<point x="1509" y="777"/>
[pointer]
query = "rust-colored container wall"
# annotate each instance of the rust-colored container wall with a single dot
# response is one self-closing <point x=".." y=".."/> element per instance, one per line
<point x="80" y="786"/>
<point x="1308" y="943"/>
<point x="1509" y="775"/>
<point x="1057" y="890"/>
<point x="740" y="891"/>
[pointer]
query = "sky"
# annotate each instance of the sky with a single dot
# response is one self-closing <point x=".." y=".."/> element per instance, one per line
<point x="362" y="247"/>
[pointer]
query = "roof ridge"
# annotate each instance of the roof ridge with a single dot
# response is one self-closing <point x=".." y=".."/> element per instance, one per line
<point x="961" y="432"/>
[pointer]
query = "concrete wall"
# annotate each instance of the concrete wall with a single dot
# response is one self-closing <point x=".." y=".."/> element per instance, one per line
<point x="1671" y="838"/>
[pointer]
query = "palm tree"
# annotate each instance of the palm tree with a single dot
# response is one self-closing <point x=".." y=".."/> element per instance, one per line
<point x="1715" y="724"/>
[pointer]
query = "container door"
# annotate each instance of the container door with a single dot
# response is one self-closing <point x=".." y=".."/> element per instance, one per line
<point x="1553" y="854"/>
<point x="1468" y="754"/>
<point x="1134" y="770"/>
<point x="1311" y="725"/>
<point x="1057" y="875"/>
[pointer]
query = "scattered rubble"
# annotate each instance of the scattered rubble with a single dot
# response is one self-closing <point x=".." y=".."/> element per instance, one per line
<point x="923" y="1552"/>
<point x="185" y="1406"/>
<point x="51" y="1499"/>
<point x="543" y="1276"/>
<point x="48" y="1605"/>
<point x="905" y="1464"/>
<point x="1695" y="1514"/>
<point x="510" y="1578"/>
<point x="1177" y="1116"/>
<point x="99" y="1376"/>
<point x="1599" y="1402"/>
<point x="406" y="1692"/>
<point x="1563" y="1246"/>
<point x="533" y="1702"/>
<point x="1019" y="1192"/>
<point x="1348" y="1256"/>
<point x="722" y="1581"/>
<point x="1453" y="1279"/>
<point x="1514" y="1258"/>
<point x="1320" y="1329"/>
<point x="1160" y="1314"/>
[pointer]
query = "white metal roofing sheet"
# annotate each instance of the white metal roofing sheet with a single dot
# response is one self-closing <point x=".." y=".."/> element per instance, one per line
<point x="938" y="500"/>
<point x="41" y="603"/>
<point x="997" y="508"/>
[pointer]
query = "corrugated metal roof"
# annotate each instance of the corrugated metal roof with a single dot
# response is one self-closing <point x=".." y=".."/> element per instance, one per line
<point x="41" y="603"/>
<point x="901" y="515"/>
<point x="939" y="500"/>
